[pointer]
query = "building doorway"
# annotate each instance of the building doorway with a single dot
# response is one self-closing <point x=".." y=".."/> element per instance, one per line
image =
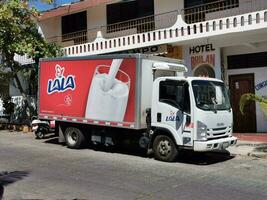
<point x="239" y="85"/>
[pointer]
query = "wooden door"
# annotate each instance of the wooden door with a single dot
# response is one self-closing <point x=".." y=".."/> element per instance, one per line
<point x="239" y="85"/>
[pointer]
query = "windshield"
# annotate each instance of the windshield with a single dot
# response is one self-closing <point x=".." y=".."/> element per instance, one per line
<point x="211" y="95"/>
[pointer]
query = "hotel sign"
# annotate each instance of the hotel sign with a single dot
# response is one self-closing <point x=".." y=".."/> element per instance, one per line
<point x="205" y="55"/>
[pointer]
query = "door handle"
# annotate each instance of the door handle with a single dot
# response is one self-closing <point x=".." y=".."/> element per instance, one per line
<point x="158" y="117"/>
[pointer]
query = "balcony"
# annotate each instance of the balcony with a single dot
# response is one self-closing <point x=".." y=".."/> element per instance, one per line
<point x="130" y="27"/>
<point x="140" y="25"/>
<point x="79" y="37"/>
<point x="23" y="60"/>
<point x="221" y="9"/>
<point x="191" y="24"/>
<point x="205" y="21"/>
<point x="200" y="13"/>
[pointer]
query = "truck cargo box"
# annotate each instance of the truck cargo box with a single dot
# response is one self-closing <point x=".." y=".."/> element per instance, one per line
<point x="73" y="89"/>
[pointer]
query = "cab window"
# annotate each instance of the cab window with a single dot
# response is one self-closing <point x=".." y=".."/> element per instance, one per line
<point x="175" y="93"/>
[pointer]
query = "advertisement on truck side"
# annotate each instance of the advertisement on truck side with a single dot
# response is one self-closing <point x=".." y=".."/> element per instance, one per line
<point x="89" y="89"/>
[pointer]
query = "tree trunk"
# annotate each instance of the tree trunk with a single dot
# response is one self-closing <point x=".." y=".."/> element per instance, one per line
<point x="9" y="59"/>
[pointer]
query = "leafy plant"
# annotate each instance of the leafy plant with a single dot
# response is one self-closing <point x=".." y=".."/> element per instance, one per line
<point x="19" y="35"/>
<point x="248" y="97"/>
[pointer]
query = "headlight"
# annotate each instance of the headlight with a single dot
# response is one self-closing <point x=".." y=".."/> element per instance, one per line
<point x="201" y="131"/>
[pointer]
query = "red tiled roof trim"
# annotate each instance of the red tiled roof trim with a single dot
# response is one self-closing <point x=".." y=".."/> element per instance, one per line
<point x="71" y="8"/>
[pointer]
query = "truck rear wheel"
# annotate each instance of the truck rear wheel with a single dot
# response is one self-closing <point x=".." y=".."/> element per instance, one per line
<point x="74" y="138"/>
<point x="164" y="148"/>
<point x="39" y="134"/>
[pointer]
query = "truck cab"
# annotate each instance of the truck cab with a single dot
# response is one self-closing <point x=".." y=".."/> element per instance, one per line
<point x="190" y="112"/>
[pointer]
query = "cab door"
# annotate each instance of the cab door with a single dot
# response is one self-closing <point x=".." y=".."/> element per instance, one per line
<point x="172" y="107"/>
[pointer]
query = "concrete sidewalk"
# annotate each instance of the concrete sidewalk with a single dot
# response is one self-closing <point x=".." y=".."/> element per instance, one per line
<point x="250" y="144"/>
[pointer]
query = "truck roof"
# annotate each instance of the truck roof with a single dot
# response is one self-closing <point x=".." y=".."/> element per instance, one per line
<point x="192" y="78"/>
<point x="115" y="56"/>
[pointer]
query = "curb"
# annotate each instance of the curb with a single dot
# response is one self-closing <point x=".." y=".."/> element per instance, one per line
<point x="258" y="155"/>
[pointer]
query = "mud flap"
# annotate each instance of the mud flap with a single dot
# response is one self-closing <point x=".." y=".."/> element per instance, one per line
<point x="61" y="137"/>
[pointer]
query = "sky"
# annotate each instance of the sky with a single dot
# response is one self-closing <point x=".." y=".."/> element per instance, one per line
<point x="44" y="6"/>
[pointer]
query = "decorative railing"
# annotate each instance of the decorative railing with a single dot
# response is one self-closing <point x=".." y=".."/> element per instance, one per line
<point x="220" y="9"/>
<point x="23" y="60"/>
<point x="79" y="37"/>
<point x="198" y="13"/>
<point x="179" y="32"/>
<point x="140" y="25"/>
<point x="167" y="28"/>
<point x="172" y="29"/>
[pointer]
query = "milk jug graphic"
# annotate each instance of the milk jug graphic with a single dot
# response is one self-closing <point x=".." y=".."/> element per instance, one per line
<point x="108" y="94"/>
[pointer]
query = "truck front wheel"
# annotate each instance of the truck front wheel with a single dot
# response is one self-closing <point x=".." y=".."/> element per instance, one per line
<point x="164" y="148"/>
<point x="74" y="138"/>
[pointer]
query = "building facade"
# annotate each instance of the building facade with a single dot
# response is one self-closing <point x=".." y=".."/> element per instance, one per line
<point x="225" y="39"/>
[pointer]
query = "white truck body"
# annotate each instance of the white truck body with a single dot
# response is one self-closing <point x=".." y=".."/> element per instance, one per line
<point x="138" y="93"/>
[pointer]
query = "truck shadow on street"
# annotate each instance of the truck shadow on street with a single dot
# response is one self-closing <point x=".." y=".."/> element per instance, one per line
<point x="204" y="158"/>
<point x="185" y="156"/>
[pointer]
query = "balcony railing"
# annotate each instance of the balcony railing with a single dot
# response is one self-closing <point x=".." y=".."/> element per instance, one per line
<point x="140" y="25"/>
<point x="74" y="38"/>
<point x="79" y="37"/>
<point x="220" y="9"/>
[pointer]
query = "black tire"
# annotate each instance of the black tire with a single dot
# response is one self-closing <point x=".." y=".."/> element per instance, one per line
<point x="74" y="138"/>
<point x="39" y="134"/>
<point x="164" y="148"/>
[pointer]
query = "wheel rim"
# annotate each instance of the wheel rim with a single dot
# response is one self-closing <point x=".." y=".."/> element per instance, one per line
<point x="164" y="148"/>
<point x="39" y="134"/>
<point x="72" y="138"/>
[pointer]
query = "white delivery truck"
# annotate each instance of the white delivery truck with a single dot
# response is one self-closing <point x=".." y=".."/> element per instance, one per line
<point x="109" y="98"/>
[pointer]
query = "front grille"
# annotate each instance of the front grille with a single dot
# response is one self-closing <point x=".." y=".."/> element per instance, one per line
<point x="219" y="129"/>
<point x="215" y="138"/>
<point x="217" y="133"/>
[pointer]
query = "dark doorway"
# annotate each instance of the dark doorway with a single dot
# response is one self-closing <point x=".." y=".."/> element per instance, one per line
<point x="239" y="85"/>
<point x="74" y="27"/>
<point x="132" y="14"/>
<point x="74" y="23"/>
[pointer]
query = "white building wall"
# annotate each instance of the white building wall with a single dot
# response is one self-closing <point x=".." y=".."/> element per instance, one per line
<point x="51" y="28"/>
<point x="161" y="6"/>
<point x="242" y="49"/>
<point x="260" y="75"/>
<point x="96" y="17"/>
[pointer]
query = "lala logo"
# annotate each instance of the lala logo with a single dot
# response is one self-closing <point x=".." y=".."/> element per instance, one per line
<point x="172" y="117"/>
<point x="60" y="83"/>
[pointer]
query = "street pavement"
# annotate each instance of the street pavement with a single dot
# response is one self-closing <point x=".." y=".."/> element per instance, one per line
<point x="57" y="172"/>
<point x="249" y="148"/>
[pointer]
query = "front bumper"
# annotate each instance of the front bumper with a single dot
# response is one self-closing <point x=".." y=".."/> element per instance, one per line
<point x="214" y="144"/>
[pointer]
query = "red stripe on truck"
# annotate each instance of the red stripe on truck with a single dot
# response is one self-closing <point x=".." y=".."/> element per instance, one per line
<point x="88" y="121"/>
